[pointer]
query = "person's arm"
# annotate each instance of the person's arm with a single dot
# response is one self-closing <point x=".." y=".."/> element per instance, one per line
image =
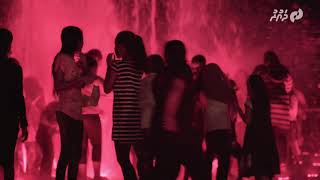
<point x="93" y="99"/>
<point x="172" y="104"/>
<point x="44" y="118"/>
<point x="111" y="75"/>
<point x="20" y="104"/>
<point x="147" y="103"/>
<point x="293" y="107"/>
<point x="302" y="103"/>
<point x="204" y="106"/>
<point x="248" y="112"/>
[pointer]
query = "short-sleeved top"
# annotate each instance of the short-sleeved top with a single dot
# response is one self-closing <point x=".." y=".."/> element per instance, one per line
<point x="126" y="107"/>
<point x="70" y="100"/>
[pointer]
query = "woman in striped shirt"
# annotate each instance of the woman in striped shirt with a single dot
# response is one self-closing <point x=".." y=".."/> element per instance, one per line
<point x="124" y="78"/>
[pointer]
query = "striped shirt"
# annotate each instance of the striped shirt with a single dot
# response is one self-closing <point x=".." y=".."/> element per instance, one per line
<point x="279" y="103"/>
<point x="126" y="107"/>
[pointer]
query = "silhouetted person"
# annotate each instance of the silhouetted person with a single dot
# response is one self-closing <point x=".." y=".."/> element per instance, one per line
<point x="124" y="78"/>
<point x="277" y="77"/>
<point x="197" y="64"/>
<point x="218" y="122"/>
<point x="234" y="111"/>
<point x="91" y="121"/>
<point x="174" y="108"/>
<point x="48" y="127"/>
<point x="259" y="145"/>
<point x="12" y="105"/>
<point x="154" y="66"/>
<point x="67" y="85"/>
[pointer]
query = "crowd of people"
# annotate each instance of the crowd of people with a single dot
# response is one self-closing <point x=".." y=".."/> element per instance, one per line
<point x="163" y="108"/>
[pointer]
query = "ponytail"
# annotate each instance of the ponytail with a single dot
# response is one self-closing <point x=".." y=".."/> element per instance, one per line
<point x="140" y="53"/>
<point x="134" y="46"/>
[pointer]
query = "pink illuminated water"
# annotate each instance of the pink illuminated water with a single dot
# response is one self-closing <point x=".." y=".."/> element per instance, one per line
<point x="37" y="26"/>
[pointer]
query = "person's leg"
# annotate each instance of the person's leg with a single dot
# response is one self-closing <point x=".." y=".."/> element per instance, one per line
<point x="76" y="149"/>
<point x="83" y="160"/>
<point x="1" y="171"/>
<point x="186" y="174"/>
<point x="8" y="166"/>
<point x="46" y="145"/>
<point x="219" y="143"/>
<point x="144" y="160"/>
<point x="168" y="164"/>
<point x="224" y="139"/>
<point x="210" y="153"/>
<point x="281" y="144"/>
<point x="263" y="178"/>
<point x="65" y="152"/>
<point x="123" y="157"/>
<point x="93" y="128"/>
<point x="223" y="166"/>
<point x="195" y="162"/>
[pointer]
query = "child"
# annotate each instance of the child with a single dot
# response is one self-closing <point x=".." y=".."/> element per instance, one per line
<point x="91" y="120"/>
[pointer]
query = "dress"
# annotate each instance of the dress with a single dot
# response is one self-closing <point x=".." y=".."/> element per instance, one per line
<point x="126" y="107"/>
<point x="260" y="143"/>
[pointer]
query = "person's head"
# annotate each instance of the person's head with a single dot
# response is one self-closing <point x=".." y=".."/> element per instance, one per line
<point x="175" y="53"/>
<point x="92" y="65"/>
<point x="271" y="58"/>
<point x="256" y="88"/>
<point x="154" y="64"/>
<point x="6" y="38"/>
<point x="71" y="39"/>
<point x="130" y="46"/>
<point x="197" y="64"/>
<point x="96" y="54"/>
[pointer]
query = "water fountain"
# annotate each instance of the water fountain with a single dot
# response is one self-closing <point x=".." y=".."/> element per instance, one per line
<point x="219" y="29"/>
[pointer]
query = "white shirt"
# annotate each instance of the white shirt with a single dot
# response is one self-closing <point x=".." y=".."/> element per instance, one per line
<point x="92" y="107"/>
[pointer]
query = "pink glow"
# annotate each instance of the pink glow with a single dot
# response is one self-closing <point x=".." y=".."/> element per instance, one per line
<point x="207" y="27"/>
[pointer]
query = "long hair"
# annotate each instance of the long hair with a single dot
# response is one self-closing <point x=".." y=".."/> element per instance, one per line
<point x="134" y="46"/>
<point x="259" y="96"/>
<point x="175" y="53"/>
<point x="6" y="38"/>
<point x="71" y="36"/>
<point x="94" y="53"/>
<point x="215" y="84"/>
<point x="154" y="64"/>
<point x="200" y="59"/>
